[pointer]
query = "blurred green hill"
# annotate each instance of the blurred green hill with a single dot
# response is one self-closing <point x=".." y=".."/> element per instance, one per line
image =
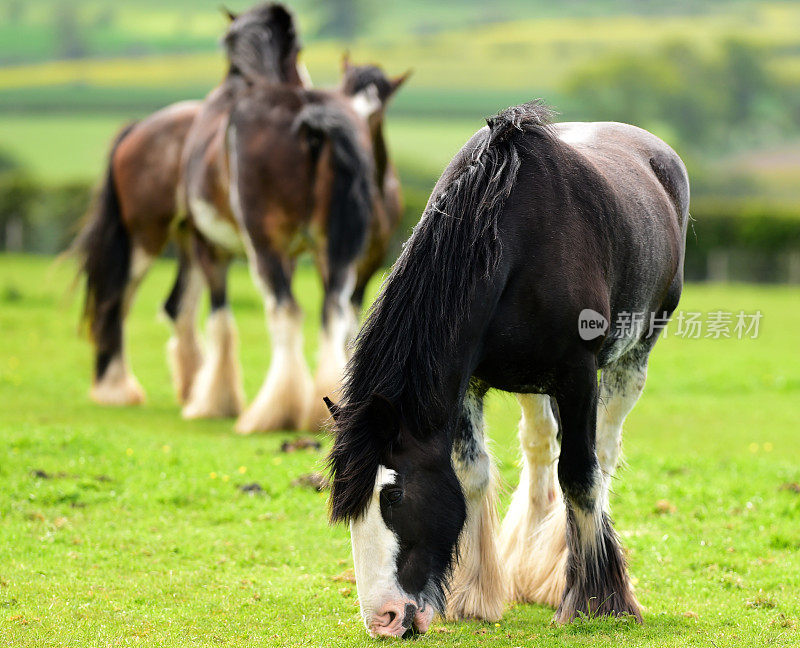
<point x="714" y="76"/>
<point x="719" y="80"/>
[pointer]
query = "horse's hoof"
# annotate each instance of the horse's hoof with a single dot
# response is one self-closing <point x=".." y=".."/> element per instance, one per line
<point x="119" y="393"/>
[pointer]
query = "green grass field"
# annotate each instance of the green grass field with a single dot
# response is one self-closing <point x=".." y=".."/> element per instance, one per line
<point x="139" y="534"/>
<point x="67" y="147"/>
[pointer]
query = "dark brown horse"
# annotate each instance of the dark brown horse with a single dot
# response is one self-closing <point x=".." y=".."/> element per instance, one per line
<point x="273" y="171"/>
<point x="137" y="211"/>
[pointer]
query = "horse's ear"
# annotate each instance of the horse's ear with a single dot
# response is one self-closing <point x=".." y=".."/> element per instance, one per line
<point x="400" y="80"/>
<point x="381" y="415"/>
<point x="333" y="408"/>
<point x="346" y="61"/>
<point x="227" y="12"/>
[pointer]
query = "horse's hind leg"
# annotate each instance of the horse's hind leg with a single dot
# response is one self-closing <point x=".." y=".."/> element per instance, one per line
<point x="533" y="538"/>
<point x="183" y="349"/>
<point x="283" y="400"/>
<point x="217" y="390"/>
<point x="597" y="581"/>
<point x="338" y="324"/>
<point x="621" y="385"/>
<point x="114" y="383"/>
<point x="478" y="587"/>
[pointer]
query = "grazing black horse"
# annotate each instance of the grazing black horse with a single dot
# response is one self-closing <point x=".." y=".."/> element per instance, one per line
<point x="531" y="229"/>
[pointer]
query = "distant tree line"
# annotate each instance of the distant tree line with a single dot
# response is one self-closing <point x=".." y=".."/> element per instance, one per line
<point x="729" y="101"/>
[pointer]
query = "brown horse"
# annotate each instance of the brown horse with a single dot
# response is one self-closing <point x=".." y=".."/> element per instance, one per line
<point x="137" y="211"/>
<point x="273" y="171"/>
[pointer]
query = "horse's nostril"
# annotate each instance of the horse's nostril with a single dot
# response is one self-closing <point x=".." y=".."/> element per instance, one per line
<point x="392" y="616"/>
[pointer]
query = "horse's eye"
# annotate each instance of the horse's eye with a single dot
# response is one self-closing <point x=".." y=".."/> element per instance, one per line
<point x="392" y="495"/>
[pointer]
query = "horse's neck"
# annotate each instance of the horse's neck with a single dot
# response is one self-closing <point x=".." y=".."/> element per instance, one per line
<point x="286" y="74"/>
<point x="457" y="369"/>
<point x="290" y="73"/>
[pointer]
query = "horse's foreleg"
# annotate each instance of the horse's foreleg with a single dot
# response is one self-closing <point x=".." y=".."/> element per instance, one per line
<point x="533" y="538"/>
<point x="597" y="581"/>
<point x="283" y="400"/>
<point x="114" y="383"/>
<point x="183" y="349"/>
<point x="478" y="587"/>
<point x="217" y="390"/>
<point x="338" y="325"/>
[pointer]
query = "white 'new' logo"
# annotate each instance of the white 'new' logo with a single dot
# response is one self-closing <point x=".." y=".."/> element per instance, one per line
<point x="591" y="324"/>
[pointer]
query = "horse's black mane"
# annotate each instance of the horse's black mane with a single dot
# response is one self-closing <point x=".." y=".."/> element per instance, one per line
<point x="262" y="43"/>
<point x="408" y="339"/>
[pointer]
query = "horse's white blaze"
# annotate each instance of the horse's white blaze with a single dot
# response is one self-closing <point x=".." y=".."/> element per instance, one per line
<point x="215" y="228"/>
<point x="375" y="548"/>
<point x="367" y="102"/>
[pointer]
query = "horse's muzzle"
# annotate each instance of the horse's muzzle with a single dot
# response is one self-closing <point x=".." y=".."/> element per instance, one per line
<point x="400" y="618"/>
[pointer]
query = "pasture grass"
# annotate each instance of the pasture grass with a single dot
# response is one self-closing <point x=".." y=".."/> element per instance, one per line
<point x="134" y="530"/>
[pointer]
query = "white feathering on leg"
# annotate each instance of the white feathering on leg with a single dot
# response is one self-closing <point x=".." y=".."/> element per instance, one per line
<point x="533" y="542"/>
<point x="282" y="402"/>
<point x="217" y="391"/>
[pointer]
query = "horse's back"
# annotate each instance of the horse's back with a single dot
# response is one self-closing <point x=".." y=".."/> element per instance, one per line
<point x="596" y="220"/>
<point x="147" y="166"/>
<point x="647" y="203"/>
<point x="157" y="140"/>
<point x="614" y="146"/>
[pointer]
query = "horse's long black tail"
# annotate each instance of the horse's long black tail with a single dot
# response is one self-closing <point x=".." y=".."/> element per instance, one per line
<point x="351" y="203"/>
<point x="104" y="251"/>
